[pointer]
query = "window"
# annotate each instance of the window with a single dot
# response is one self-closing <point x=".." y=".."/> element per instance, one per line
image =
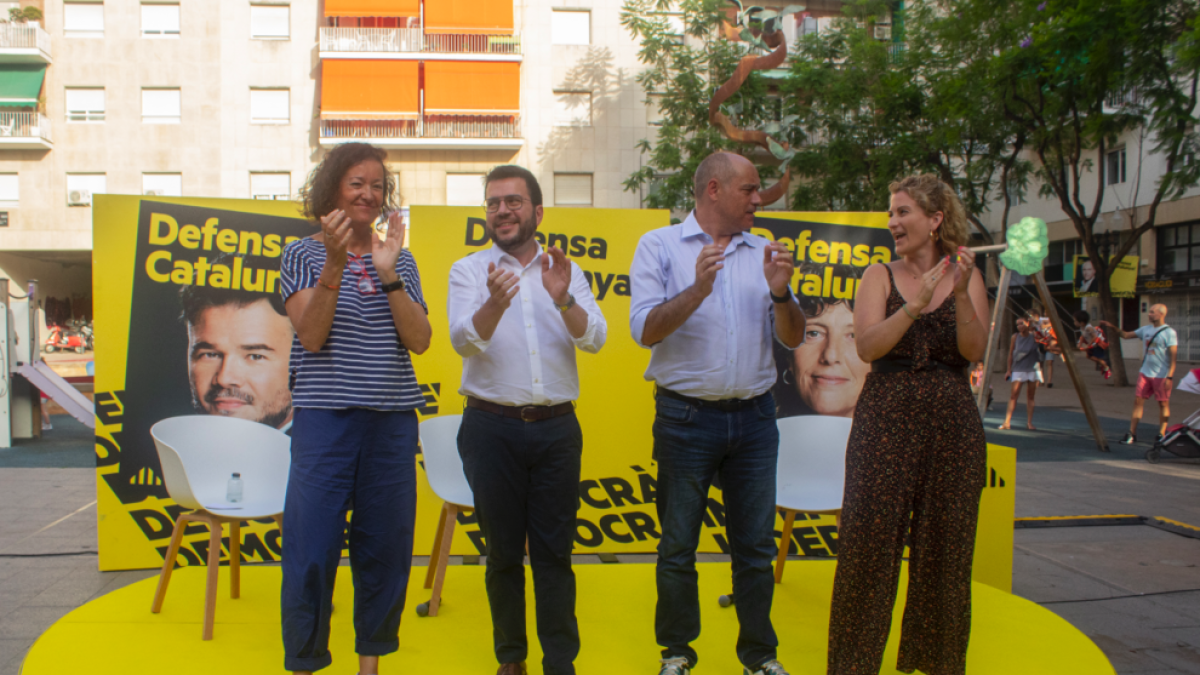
<point x="270" y="22"/>
<point x="572" y="109"/>
<point x="1178" y="248"/>
<point x="464" y="189"/>
<point x="85" y="105"/>
<point x="10" y="190"/>
<point x="572" y="189"/>
<point x="161" y="106"/>
<point x="269" y="106"/>
<point x="83" y="19"/>
<point x="654" y="112"/>
<point x="162" y="184"/>
<point x="271" y="185"/>
<point x="675" y="25"/>
<point x="160" y="21"/>
<point x="82" y="186"/>
<point x="570" y="27"/>
<point x="1115" y="167"/>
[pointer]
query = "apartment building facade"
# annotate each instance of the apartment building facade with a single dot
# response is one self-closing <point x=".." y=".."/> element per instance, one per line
<point x="242" y="98"/>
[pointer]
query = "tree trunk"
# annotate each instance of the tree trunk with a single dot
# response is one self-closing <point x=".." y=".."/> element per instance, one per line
<point x="1111" y="314"/>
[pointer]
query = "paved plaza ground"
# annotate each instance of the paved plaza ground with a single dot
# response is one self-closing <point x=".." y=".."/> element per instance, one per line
<point x="1134" y="589"/>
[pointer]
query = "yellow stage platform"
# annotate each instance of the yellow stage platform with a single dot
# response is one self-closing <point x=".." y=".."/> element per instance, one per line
<point x="117" y="633"/>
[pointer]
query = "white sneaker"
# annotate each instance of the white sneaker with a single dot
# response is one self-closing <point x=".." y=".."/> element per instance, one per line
<point x="771" y="667"/>
<point x="675" y="666"/>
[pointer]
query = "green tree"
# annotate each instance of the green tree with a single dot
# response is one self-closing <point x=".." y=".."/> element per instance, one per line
<point x="681" y="76"/>
<point x="871" y="111"/>
<point x="1076" y="75"/>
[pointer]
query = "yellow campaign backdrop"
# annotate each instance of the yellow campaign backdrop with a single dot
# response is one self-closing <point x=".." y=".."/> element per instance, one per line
<point x="615" y="407"/>
<point x="134" y="512"/>
<point x="616" y="404"/>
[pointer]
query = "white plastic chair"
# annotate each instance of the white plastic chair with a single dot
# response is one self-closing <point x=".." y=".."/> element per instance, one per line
<point x="811" y="472"/>
<point x="198" y="454"/>
<point x="444" y="469"/>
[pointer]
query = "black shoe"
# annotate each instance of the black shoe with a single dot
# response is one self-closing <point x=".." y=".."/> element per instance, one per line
<point x="1158" y="438"/>
<point x="1050" y="385"/>
<point x="1129" y="439"/>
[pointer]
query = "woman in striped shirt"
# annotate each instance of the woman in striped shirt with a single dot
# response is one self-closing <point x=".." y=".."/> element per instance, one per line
<point x="355" y="301"/>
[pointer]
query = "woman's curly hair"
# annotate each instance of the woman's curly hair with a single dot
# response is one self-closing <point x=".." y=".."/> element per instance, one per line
<point x="320" y="195"/>
<point x="932" y="195"/>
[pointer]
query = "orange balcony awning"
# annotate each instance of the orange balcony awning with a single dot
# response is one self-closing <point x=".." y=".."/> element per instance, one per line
<point x="368" y="90"/>
<point x="469" y="16"/>
<point x="373" y="8"/>
<point x="472" y="88"/>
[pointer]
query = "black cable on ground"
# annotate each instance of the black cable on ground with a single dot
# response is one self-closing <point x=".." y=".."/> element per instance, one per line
<point x="1120" y="597"/>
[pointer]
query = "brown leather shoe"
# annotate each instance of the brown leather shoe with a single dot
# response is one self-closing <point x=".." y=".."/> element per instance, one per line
<point x="511" y="669"/>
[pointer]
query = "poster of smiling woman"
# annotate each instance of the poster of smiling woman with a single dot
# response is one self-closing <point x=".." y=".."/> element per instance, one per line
<point x="824" y="376"/>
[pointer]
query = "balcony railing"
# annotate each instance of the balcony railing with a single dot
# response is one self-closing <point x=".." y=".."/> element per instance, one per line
<point x="473" y="44"/>
<point x="24" y="36"/>
<point x="14" y="125"/>
<point x="414" y="40"/>
<point x="430" y="128"/>
<point x="370" y="39"/>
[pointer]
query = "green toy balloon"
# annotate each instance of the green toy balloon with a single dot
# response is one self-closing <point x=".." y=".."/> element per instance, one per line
<point x="1027" y="246"/>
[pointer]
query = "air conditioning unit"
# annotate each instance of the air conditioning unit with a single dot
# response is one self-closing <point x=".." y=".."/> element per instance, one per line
<point x="883" y="32"/>
<point x="155" y="193"/>
<point x="79" y="198"/>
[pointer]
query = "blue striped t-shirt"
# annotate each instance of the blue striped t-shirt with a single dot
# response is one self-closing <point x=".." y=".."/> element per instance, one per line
<point x="362" y="363"/>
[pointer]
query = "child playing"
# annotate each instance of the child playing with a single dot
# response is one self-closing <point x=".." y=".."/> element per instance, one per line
<point x="1092" y="342"/>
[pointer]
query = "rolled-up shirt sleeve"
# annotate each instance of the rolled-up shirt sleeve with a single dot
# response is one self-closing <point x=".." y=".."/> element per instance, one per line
<point x="597" y="327"/>
<point x="648" y="286"/>
<point x="462" y="303"/>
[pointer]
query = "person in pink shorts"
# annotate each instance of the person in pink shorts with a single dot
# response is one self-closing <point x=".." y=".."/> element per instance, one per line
<point x="1158" y="368"/>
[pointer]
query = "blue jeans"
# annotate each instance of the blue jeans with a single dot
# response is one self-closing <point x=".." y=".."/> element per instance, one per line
<point x="525" y="478"/>
<point x="693" y="444"/>
<point x="341" y="460"/>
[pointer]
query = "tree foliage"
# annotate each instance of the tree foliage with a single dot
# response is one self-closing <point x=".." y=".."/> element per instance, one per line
<point x="1080" y="75"/>
<point x="681" y="76"/>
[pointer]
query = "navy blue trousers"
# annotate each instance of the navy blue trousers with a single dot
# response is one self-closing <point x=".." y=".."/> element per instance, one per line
<point x="693" y="445"/>
<point x="525" y="478"/>
<point x="361" y="460"/>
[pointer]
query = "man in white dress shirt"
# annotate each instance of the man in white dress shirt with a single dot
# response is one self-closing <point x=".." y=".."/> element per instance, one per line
<point x="708" y="299"/>
<point x="517" y="315"/>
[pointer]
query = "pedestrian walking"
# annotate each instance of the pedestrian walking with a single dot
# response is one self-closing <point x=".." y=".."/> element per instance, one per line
<point x="1157" y="373"/>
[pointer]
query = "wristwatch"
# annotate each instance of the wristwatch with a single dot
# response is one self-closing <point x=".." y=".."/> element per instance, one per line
<point x="568" y="305"/>
<point x="397" y="285"/>
<point x="781" y="298"/>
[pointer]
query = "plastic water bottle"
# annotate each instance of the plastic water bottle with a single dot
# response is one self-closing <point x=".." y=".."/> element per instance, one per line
<point x="233" y="491"/>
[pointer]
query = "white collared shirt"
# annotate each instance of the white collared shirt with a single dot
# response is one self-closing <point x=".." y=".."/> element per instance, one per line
<point x="530" y="359"/>
<point x="724" y="349"/>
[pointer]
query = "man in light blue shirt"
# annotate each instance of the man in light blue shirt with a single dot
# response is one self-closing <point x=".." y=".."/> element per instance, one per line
<point x="1161" y="345"/>
<point x="708" y="298"/>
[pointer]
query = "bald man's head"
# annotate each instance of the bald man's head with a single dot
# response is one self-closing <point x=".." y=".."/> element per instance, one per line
<point x="726" y="188"/>
<point x="1157" y="314"/>
<point x="718" y="166"/>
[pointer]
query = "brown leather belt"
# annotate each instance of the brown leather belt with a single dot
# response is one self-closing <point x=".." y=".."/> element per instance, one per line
<point x="525" y="413"/>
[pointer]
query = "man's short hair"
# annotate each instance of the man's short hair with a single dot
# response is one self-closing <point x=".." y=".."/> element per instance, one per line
<point x="1082" y="316"/>
<point x="505" y="171"/>
<point x="198" y="299"/>
<point x="718" y="165"/>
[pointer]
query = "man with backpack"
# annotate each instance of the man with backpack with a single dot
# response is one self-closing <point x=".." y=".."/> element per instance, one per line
<point x="1158" y="368"/>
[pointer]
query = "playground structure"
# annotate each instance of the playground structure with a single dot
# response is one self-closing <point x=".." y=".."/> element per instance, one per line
<point x="23" y="373"/>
